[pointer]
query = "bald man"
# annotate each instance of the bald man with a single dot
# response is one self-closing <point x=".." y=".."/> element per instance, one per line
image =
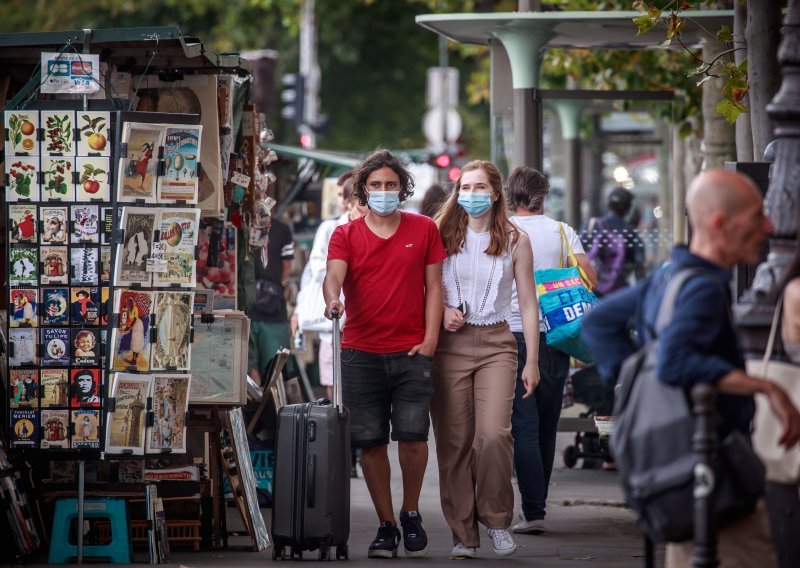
<point x="699" y="345"/>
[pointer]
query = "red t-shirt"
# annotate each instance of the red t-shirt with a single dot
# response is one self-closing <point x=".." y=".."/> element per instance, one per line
<point x="384" y="290"/>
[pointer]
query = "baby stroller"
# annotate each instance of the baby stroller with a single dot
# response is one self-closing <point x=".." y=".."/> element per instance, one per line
<point x="598" y="396"/>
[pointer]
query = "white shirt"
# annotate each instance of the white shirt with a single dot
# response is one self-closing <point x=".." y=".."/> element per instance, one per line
<point x="548" y="252"/>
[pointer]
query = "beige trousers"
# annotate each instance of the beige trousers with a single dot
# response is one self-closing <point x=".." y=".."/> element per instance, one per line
<point x="474" y="375"/>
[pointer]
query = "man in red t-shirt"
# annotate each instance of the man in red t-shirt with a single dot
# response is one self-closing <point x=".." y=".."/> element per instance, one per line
<point x="389" y="265"/>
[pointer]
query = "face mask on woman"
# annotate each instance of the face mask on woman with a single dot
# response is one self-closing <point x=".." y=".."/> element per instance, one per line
<point x="384" y="203"/>
<point x="475" y="204"/>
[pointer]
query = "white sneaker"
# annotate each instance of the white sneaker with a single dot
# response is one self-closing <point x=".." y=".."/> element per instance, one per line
<point x="535" y="526"/>
<point x="502" y="542"/>
<point x="461" y="551"/>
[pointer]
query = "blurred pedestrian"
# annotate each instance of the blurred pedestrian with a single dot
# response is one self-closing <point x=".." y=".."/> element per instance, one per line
<point x="475" y="365"/>
<point x="434" y="198"/>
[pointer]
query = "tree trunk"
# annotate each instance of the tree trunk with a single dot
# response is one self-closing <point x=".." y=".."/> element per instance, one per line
<point x="744" y="132"/>
<point x="719" y="137"/>
<point x="764" y="73"/>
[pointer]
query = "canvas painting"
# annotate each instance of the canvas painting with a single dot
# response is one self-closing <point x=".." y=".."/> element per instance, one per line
<point x="21" y="130"/>
<point x="173" y="323"/>
<point x="23" y="343"/>
<point x="170" y="403"/>
<point x="24" y="389"/>
<point x="23" y="266"/>
<point x="57" y="179"/>
<point x="181" y="152"/>
<point x="138" y="224"/>
<point x="84" y="263"/>
<point x="24" y="310"/>
<point x="23" y="179"/>
<point x="130" y="339"/>
<point x="58" y="129"/>
<point x="86" y="428"/>
<point x="54" y="225"/>
<point x="54" y="387"/>
<point x="23" y="226"/>
<point x="93" y="180"/>
<point x="55" y="265"/>
<point x="137" y="171"/>
<point x="93" y="134"/>
<point x="126" y="426"/>
<point x="85" y="223"/>
<point x="55" y="429"/>
<point x="177" y="230"/>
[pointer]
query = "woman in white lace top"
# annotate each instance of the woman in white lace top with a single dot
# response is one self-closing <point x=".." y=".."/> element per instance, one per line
<point x="475" y="365"/>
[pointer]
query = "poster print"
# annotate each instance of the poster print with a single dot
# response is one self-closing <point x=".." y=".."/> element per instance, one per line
<point x="54" y="387"/>
<point x="85" y="387"/>
<point x="106" y="224"/>
<point x="170" y="403"/>
<point x="24" y="428"/>
<point x="24" y="308"/>
<point x="24" y="387"/>
<point x="181" y="151"/>
<point x="23" y="266"/>
<point x="93" y="180"/>
<point x="105" y="265"/>
<point x="84" y="305"/>
<point x="216" y="264"/>
<point x="85" y="223"/>
<point x="55" y="429"/>
<point x="21" y="128"/>
<point x="93" y="133"/>
<point x="84" y="263"/>
<point x="55" y="306"/>
<point x="138" y="224"/>
<point x="54" y="225"/>
<point x="105" y="306"/>
<point x="126" y="426"/>
<point x="55" y="346"/>
<point x="23" y="179"/>
<point x="130" y="339"/>
<point x="58" y="133"/>
<point x="137" y="169"/>
<point x="173" y="319"/>
<point x="85" y="346"/>
<point x="24" y="347"/>
<point x="23" y="227"/>
<point x="86" y="428"/>
<point x="57" y="179"/>
<point x="177" y="233"/>
<point x="55" y="265"/>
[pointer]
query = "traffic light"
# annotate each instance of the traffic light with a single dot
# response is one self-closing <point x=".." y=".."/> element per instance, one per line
<point x="293" y="96"/>
<point x="441" y="160"/>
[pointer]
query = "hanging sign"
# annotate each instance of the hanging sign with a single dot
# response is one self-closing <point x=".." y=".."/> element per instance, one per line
<point x="76" y="73"/>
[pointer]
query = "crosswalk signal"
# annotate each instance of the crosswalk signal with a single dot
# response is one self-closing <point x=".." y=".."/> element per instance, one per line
<point x="293" y="96"/>
<point x="441" y="160"/>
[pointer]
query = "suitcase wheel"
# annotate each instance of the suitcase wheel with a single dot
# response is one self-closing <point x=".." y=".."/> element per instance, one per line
<point x="323" y="553"/>
<point x="342" y="552"/>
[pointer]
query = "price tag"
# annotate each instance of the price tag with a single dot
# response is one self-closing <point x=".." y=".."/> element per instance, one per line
<point x="238" y="178"/>
<point x="157" y="262"/>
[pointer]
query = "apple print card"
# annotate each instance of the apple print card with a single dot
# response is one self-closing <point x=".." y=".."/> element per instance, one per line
<point x="93" y="181"/>
<point x="93" y="136"/>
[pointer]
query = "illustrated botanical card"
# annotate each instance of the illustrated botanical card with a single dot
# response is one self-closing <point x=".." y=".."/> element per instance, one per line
<point x="173" y="322"/>
<point x="22" y="175"/>
<point x="106" y="224"/>
<point x="57" y="179"/>
<point x="86" y="427"/>
<point x="85" y="387"/>
<point x="58" y="133"/>
<point x="177" y="231"/>
<point x="84" y="263"/>
<point x="127" y="424"/>
<point x="55" y="226"/>
<point x="55" y="265"/>
<point x="55" y="304"/>
<point x="85" y="221"/>
<point x="54" y="387"/>
<point x="24" y="344"/>
<point x="22" y="224"/>
<point x="105" y="265"/>
<point x="138" y="224"/>
<point x="55" y="346"/>
<point x="24" y="387"/>
<point x="24" y="428"/>
<point x="24" y="309"/>
<point x="93" y="183"/>
<point x="55" y="429"/>
<point x="23" y="266"/>
<point x="93" y="136"/>
<point x="170" y="403"/>
<point x="22" y="126"/>
<point x="130" y="339"/>
<point x="85" y="305"/>
<point x="181" y="151"/>
<point x="137" y="171"/>
<point x="85" y="346"/>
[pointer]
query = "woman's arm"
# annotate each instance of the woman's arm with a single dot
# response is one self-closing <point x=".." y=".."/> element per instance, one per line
<point x="529" y="310"/>
<point x="791" y="312"/>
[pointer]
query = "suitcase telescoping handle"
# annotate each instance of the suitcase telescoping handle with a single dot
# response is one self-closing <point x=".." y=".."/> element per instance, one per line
<point x="337" y="362"/>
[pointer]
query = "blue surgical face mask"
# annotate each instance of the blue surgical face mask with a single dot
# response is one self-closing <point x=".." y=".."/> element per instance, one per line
<point x="384" y="203"/>
<point x="475" y="204"/>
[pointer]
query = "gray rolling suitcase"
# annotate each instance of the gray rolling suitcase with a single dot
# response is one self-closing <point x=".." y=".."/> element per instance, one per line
<point x="311" y="486"/>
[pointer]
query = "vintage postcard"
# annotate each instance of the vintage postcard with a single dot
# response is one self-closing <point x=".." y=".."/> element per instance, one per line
<point x="173" y="323"/>
<point x="23" y="266"/>
<point x="24" y="428"/>
<point x="93" y="136"/>
<point x="55" y="307"/>
<point x="58" y="133"/>
<point x="57" y="179"/>
<point x="54" y="387"/>
<point x="138" y="224"/>
<point x="24" y="309"/>
<point x="24" y="387"/>
<point x="93" y="180"/>
<point x="170" y="404"/>
<point x="105" y="265"/>
<point x="105" y="305"/>
<point x="86" y="428"/>
<point x="85" y="387"/>
<point x="177" y="231"/>
<point x="55" y="265"/>
<point x="181" y="151"/>
<point x="106" y="224"/>
<point x="55" y="226"/>
<point x="203" y="301"/>
<point x="55" y="346"/>
<point x="85" y="305"/>
<point x="21" y="132"/>
<point x="216" y="266"/>
<point x="85" y="346"/>
<point x="130" y="338"/>
<point x="126" y="426"/>
<point x="23" y="179"/>
<point x="22" y="224"/>
<point x="138" y="168"/>
<point x="55" y="429"/>
<point x="84" y="263"/>
<point x="24" y="347"/>
<point x="85" y="221"/>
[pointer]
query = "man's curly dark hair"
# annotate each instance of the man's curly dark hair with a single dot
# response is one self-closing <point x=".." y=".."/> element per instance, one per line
<point x="381" y="158"/>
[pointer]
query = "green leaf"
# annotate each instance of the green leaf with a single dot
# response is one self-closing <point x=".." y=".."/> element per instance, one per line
<point x="729" y="110"/>
<point x="13" y="122"/>
<point x="84" y="177"/>
<point x="85" y="128"/>
<point x="643" y="24"/>
<point x="17" y="138"/>
<point x="86" y="117"/>
<point x="51" y="184"/>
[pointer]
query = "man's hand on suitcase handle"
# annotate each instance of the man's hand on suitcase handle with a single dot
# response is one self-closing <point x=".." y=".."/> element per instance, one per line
<point x="334" y="305"/>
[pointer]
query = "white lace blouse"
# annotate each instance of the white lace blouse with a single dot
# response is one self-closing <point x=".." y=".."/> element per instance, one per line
<point x="484" y="282"/>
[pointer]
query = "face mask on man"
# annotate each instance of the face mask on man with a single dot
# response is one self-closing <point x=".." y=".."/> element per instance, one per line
<point x="475" y="204"/>
<point x="383" y="203"/>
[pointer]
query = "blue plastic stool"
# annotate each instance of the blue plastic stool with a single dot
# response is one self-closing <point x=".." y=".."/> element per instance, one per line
<point x="117" y="551"/>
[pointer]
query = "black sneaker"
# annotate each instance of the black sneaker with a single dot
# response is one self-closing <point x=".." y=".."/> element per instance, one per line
<point x="386" y="542"/>
<point x="415" y="540"/>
